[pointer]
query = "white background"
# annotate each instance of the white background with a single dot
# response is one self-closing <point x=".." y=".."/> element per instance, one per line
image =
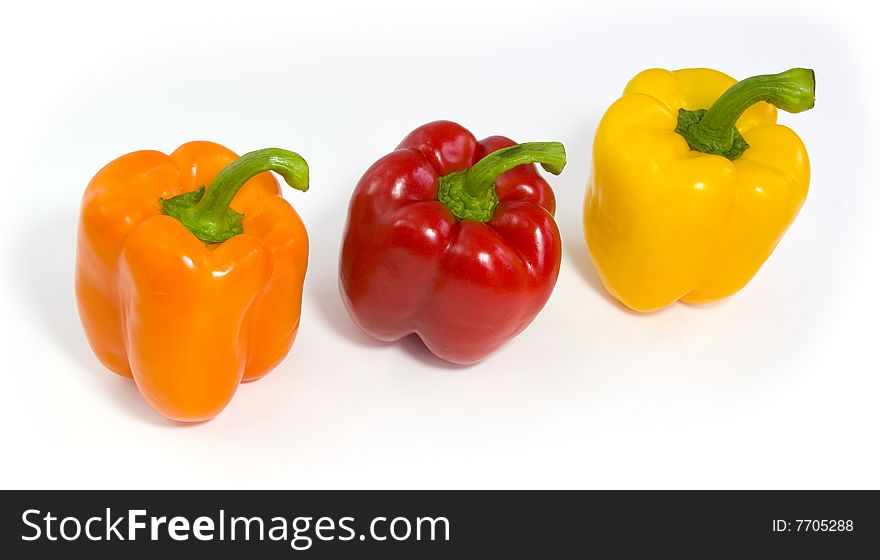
<point x="777" y="387"/>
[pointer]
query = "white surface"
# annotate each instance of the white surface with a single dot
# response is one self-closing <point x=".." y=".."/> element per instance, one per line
<point x="776" y="387"/>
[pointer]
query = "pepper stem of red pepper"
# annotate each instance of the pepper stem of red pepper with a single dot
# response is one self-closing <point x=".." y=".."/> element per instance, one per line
<point x="207" y="214"/>
<point x="470" y="194"/>
<point x="713" y="130"/>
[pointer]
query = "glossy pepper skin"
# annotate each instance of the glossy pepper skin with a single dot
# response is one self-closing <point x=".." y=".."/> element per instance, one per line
<point x="188" y="320"/>
<point x="668" y="218"/>
<point x="465" y="286"/>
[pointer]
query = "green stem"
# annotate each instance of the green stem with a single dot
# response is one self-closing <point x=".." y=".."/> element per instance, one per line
<point x="470" y="194"/>
<point x="713" y="130"/>
<point x="207" y="214"/>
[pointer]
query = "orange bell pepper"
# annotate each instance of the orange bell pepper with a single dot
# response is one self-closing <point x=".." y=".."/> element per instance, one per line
<point x="178" y="290"/>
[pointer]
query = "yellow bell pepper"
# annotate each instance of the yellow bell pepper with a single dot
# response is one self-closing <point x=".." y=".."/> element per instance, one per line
<point x="693" y="183"/>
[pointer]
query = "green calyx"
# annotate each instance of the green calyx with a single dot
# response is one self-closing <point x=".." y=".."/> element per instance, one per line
<point x="206" y="212"/>
<point x="731" y="147"/>
<point x="470" y="194"/>
<point x="713" y="130"/>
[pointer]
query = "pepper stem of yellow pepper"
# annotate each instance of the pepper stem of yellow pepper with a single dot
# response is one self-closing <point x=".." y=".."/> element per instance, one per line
<point x="207" y="214"/>
<point x="470" y="194"/>
<point x="713" y="130"/>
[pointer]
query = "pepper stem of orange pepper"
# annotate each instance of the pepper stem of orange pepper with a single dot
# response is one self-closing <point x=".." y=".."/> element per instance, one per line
<point x="713" y="130"/>
<point x="470" y="194"/>
<point x="207" y="214"/>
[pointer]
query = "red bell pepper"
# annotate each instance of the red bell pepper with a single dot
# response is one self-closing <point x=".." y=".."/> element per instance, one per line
<point x="452" y="239"/>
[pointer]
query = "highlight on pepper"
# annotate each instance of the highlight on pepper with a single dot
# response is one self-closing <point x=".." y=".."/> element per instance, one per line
<point x="452" y="239"/>
<point x="694" y="184"/>
<point x="189" y="271"/>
